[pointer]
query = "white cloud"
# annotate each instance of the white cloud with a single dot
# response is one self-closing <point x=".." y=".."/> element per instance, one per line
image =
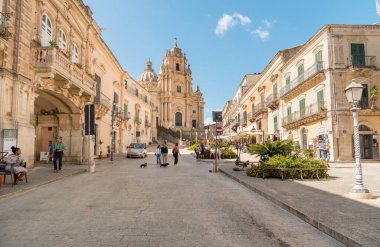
<point x="267" y="23"/>
<point x="263" y="34"/>
<point x="228" y="21"/>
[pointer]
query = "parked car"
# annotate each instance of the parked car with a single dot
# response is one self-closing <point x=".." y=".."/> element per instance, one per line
<point x="137" y="150"/>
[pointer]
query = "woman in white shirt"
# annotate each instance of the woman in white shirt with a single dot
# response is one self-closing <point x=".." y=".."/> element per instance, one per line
<point x="18" y="162"/>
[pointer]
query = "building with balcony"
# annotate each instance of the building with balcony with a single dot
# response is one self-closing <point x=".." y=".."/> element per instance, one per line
<point x="54" y="65"/>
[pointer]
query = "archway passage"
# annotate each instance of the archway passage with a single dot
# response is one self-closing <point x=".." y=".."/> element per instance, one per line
<point x="178" y="119"/>
<point x="56" y="115"/>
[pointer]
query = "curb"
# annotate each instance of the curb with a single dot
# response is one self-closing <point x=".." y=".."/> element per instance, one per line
<point x="320" y="226"/>
<point x="23" y="191"/>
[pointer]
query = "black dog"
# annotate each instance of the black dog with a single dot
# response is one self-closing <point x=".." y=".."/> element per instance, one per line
<point x="166" y="164"/>
<point x="143" y="165"/>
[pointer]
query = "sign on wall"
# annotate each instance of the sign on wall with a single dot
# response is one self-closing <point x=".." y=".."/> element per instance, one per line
<point x="9" y="139"/>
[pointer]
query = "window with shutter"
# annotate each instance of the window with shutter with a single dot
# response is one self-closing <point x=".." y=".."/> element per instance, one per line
<point x="364" y="100"/>
<point x="289" y="117"/>
<point x="274" y="91"/>
<point x="357" y="55"/>
<point x="262" y="101"/>
<point x="300" y="73"/>
<point x="245" y="117"/>
<point x="302" y="108"/>
<point x="275" y="124"/>
<point x="287" y="83"/>
<point x="321" y="101"/>
<point x="318" y="60"/>
<point x="46" y="31"/>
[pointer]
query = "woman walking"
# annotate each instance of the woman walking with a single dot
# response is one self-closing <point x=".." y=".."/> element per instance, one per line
<point x="158" y="154"/>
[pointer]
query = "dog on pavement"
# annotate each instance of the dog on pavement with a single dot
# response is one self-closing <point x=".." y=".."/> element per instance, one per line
<point x="165" y="164"/>
<point x="143" y="165"/>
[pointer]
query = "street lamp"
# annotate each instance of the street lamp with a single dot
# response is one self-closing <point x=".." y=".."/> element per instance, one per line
<point x="353" y="94"/>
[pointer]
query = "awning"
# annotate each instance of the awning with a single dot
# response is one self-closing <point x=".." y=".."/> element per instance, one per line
<point x="248" y="134"/>
<point x="248" y="128"/>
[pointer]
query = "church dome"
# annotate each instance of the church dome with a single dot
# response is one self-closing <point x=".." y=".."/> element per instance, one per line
<point x="148" y="75"/>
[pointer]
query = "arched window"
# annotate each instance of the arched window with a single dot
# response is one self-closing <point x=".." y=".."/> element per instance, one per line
<point x="46" y="31"/>
<point x="177" y="66"/>
<point x="74" y="54"/>
<point x="178" y="119"/>
<point x="62" y="41"/>
<point x="303" y="138"/>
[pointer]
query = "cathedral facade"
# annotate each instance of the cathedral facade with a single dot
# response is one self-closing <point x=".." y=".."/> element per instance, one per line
<point x="177" y="105"/>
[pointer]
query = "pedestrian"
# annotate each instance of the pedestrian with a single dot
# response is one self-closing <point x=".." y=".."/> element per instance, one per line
<point x="164" y="154"/>
<point x="51" y="152"/>
<point x="59" y="147"/>
<point x="197" y="152"/>
<point x="19" y="167"/>
<point x="175" y="152"/>
<point x="327" y="153"/>
<point x="158" y="154"/>
<point x="202" y="150"/>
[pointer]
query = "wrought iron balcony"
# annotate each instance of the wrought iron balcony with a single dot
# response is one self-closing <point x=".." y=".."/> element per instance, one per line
<point x="259" y="109"/>
<point x="362" y="62"/>
<point x="55" y="64"/>
<point x="102" y="105"/>
<point x="272" y="101"/>
<point x="309" y="114"/>
<point x="312" y="76"/>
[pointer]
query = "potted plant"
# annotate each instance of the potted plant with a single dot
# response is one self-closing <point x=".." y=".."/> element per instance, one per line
<point x="373" y="97"/>
<point x="108" y="151"/>
<point x="52" y="43"/>
<point x="100" y="149"/>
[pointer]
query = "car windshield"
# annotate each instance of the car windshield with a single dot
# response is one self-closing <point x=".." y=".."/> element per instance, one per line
<point x="137" y="145"/>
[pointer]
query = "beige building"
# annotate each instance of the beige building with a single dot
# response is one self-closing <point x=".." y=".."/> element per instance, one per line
<point x="54" y="63"/>
<point x="178" y="107"/>
<point x="309" y="82"/>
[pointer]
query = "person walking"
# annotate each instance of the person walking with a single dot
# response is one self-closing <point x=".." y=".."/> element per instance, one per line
<point x="197" y="152"/>
<point x="164" y="153"/>
<point x="51" y="152"/>
<point x="158" y="154"/>
<point x="175" y="152"/>
<point x="59" y="147"/>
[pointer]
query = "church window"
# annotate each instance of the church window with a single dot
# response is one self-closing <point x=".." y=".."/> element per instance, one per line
<point x="194" y="111"/>
<point x="62" y="41"/>
<point x="75" y="54"/>
<point x="46" y="31"/>
<point x="178" y="119"/>
<point x="178" y="89"/>
<point x="137" y="92"/>
<point x="177" y="66"/>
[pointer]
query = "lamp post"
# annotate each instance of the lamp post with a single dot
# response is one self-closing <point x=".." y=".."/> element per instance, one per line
<point x="353" y="94"/>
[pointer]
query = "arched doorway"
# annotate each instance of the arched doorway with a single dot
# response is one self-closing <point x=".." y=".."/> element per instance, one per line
<point x="178" y="119"/>
<point x="56" y="115"/>
<point x="303" y="138"/>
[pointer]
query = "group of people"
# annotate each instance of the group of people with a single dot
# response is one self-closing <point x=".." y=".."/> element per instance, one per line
<point x="200" y="151"/>
<point x="162" y="154"/>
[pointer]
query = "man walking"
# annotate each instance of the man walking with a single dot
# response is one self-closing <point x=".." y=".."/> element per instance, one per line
<point x="164" y="153"/>
<point x="59" y="147"/>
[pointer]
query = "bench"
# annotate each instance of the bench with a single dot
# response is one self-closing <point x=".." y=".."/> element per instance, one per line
<point x="301" y="170"/>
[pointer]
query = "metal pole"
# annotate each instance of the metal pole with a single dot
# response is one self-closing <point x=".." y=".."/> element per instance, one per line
<point x="359" y="186"/>
<point x="112" y="130"/>
<point x="216" y="148"/>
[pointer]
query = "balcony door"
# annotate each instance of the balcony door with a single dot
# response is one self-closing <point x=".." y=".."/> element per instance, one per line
<point x="357" y="55"/>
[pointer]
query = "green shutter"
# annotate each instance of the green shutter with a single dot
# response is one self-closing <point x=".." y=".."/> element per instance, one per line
<point x="274" y="91"/>
<point x="287" y="83"/>
<point x="300" y="73"/>
<point x="245" y="116"/>
<point x="262" y="99"/>
<point x="302" y="108"/>
<point x="318" y="57"/>
<point x="125" y="110"/>
<point x="321" y="100"/>
<point x="275" y="123"/>
<point x="357" y="54"/>
<point x="289" y="110"/>
<point x="253" y="108"/>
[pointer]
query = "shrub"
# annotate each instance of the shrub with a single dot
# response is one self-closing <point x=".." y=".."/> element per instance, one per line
<point x="228" y="154"/>
<point x="279" y="161"/>
<point x="192" y="147"/>
<point x="271" y="148"/>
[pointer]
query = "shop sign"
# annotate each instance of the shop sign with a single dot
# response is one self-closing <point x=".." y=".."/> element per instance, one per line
<point x="9" y="139"/>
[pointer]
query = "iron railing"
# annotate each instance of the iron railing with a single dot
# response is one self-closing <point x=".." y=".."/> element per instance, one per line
<point x="306" y="112"/>
<point x="362" y="62"/>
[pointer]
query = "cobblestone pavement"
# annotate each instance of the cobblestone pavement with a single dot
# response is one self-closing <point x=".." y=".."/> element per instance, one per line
<point x="125" y="205"/>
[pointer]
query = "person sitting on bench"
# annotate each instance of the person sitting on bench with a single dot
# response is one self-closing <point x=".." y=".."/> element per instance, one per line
<point x="19" y="164"/>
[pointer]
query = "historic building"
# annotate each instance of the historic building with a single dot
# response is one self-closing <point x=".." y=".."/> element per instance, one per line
<point x="300" y="94"/>
<point x="177" y="105"/>
<point x="54" y="63"/>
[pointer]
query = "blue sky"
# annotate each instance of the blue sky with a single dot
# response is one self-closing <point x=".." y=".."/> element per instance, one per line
<point x="223" y="39"/>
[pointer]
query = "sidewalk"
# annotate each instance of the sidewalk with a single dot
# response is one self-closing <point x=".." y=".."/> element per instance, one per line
<point x="325" y="204"/>
<point x="42" y="174"/>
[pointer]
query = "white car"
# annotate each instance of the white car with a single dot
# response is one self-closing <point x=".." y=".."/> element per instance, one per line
<point x="137" y="150"/>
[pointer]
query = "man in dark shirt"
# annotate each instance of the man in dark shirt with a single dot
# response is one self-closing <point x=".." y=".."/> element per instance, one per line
<point x="164" y="153"/>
